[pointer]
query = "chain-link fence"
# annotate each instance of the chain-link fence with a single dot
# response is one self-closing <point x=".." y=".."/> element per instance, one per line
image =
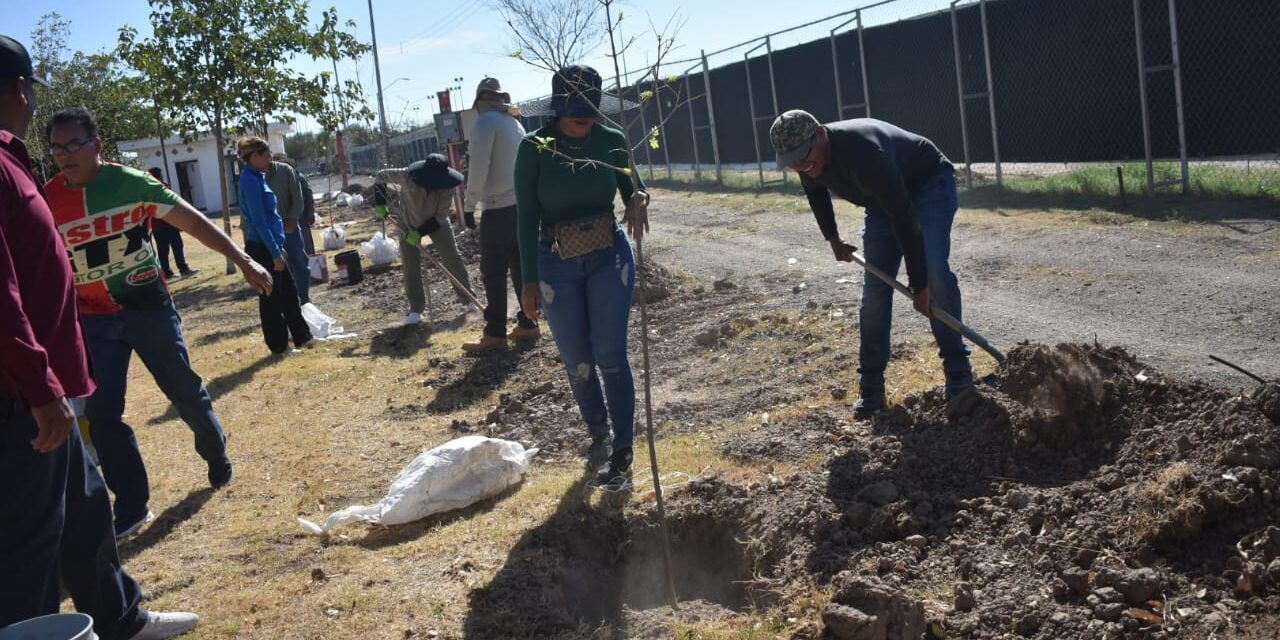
<point x="1171" y="90"/>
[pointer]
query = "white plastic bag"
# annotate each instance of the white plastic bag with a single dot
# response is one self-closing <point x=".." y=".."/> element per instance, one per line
<point x="381" y="250"/>
<point x="334" y="238"/>
<point x="451" y="476"/>
<point x="321" y="325"/>
<point x="342" y="200"/>
<point x="356" y="200"/>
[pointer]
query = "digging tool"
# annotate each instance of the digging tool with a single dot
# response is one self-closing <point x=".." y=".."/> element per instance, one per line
<point x="456" y="284"/>
<point x="1238" y="368"/>
<point x="937" y="313"/>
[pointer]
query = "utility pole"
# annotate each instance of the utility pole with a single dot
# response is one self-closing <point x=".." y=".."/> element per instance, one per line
<point x="377" y="74"/>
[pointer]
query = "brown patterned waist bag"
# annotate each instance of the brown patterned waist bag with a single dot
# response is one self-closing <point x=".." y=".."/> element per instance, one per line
<point x="573" y="238"/>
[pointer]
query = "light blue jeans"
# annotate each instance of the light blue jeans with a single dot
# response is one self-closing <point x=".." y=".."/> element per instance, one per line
<point x="587" y="301"/>
<point x="934" y="205"/>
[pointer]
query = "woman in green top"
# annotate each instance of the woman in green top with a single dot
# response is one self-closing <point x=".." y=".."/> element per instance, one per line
<point x="577" y="262"/>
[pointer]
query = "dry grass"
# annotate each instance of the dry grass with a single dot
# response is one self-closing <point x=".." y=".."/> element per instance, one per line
<point x="1165" y="507"/>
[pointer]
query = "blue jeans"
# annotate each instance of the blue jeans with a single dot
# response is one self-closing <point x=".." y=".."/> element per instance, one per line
<point x="934" y="205"/>
<point x="299" y="266"/>
<point x="587" y="301"/>
<point x="156" y="335"/>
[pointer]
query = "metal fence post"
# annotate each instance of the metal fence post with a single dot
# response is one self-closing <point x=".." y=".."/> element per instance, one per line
<point x="1177" y="90"/>
<point x="751" y="104"/>
<point x="693" y="129"/>
<point x="991" y="94"/>
<point x="964" y="121"/>
<point x="1142" y="92"/>
<point x="648" y="151"/>
<point x="835" y="65"/>
<point x="711" y="117"/>
<point x="773" y="87"/>
<point x="662" y="120"/>
<point x="862" y="60"/>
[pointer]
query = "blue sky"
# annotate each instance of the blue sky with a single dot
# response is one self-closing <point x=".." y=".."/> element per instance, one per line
<point x="424" y="45"/>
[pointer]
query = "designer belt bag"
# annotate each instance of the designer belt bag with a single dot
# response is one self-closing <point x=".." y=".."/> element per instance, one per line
<point x="574" y="238"/>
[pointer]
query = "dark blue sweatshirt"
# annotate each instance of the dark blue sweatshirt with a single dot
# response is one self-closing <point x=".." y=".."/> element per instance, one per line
<point x="877" y="166"/>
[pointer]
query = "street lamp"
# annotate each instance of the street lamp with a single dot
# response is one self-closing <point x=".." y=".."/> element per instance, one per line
<point x="392" y="84"/>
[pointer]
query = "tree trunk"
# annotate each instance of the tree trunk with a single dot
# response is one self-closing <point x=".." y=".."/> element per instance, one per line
<point x="222" y="176"/>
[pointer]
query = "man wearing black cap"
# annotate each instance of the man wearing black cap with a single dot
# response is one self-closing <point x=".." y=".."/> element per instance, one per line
<point x="425" y="190"/>
<point x="58" y="520"/>
<point x="908" y="189"/>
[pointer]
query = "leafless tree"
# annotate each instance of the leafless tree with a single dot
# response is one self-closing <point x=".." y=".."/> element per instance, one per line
<point x="555" y="32"/>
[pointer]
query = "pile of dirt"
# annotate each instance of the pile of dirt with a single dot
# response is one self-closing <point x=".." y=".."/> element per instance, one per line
<point x="1088" y="496"/>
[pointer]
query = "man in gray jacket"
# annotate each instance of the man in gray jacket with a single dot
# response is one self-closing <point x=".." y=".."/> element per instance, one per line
<point x="283" y="181"/>
<point x="492" y="145"/>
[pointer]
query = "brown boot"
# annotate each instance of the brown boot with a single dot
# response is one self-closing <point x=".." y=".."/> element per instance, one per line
<point x="487" y="343"/>
<point x="520" y="333"/>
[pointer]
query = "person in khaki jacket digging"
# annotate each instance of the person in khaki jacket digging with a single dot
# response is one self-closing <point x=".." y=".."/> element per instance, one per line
<point x="425" y="190"/>
<point x="491" y="184"/>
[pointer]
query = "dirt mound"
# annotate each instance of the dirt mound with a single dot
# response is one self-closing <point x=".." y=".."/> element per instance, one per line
<point x="1086" y="496"/>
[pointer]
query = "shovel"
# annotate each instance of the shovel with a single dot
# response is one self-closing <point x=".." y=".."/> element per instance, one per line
<point x="937" y="313"/>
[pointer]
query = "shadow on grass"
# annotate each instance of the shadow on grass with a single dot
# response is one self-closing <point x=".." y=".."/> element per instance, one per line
<point x="397" y="342"/>
<point x="561" y="578"/>
<point x="222" y="385"/>
<point x="205" y="295"/>
<point x="484" y="374"/>
<point x="165" y="523"/>
<point x="225" y="334"/>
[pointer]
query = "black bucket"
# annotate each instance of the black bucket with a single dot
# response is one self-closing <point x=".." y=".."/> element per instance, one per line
<point x="349" y="269"/>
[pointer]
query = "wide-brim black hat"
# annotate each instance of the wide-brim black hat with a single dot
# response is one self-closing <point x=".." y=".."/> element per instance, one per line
<point x="434" y="172"/>
<point x="575" y="92"/>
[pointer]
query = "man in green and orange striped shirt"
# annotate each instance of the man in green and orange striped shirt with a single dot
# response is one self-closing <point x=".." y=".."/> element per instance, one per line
<point x="102" y="209"/>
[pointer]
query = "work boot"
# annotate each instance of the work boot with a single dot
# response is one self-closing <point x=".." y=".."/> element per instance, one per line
<point x="486" y="344"/>
<point x="958" y="382"/>
<point x="524" y="333"/>
<point x="598" y="452"/>
<point x="870" y="402"/>
<point x="618" y="471"/>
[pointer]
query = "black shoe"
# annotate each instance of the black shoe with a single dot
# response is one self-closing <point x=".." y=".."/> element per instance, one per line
<point x="618" y="470"/>
<point x="598" y="452"/>
<point x="871" y="402"/>
<point x="126" y="528"/>
<point x="187" y="273"/>
<point x="168" y="275"/>
<point x="220" y="473"/>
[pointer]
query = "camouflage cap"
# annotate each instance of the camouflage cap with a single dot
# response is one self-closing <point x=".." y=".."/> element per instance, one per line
<point x="792" y="136"/>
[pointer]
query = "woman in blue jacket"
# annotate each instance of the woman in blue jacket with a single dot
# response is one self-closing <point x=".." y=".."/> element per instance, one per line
<point x="264" y="241"/>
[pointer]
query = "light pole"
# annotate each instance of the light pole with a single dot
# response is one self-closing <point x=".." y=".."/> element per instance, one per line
<point x="377" y="73"/>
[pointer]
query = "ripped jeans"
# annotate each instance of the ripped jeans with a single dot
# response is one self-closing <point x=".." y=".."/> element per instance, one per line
<point x="587" y="302"/>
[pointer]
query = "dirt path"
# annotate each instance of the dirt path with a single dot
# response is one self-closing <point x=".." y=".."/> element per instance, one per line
<point x="1171" y="292"/>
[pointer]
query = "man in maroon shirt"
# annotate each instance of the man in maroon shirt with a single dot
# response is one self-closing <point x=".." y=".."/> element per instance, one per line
<point x="57" y="518"/>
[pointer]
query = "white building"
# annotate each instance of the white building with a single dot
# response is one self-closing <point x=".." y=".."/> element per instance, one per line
<point x="193" y="166"/>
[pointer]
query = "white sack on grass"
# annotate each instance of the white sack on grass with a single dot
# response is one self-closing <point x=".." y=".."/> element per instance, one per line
<point x="334" y="238"/>
<point x="321" y="324"/>
<point x="381" y="249"/>
<point x="451" y="476"/>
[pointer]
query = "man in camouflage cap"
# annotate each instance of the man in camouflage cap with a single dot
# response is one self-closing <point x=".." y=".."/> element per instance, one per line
<point x="908" y="189"/>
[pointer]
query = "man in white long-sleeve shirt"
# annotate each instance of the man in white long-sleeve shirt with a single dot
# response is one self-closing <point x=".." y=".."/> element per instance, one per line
<point x="492" y="145"/>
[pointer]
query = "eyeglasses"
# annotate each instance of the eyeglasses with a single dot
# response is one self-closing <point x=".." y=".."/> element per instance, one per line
<point x="68" y="148"/>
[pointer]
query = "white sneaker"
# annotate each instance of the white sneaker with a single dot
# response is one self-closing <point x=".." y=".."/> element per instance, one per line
<point x="124" y="530"/>
<point x="162" y="626"/>
<point x="413" y="318"/>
